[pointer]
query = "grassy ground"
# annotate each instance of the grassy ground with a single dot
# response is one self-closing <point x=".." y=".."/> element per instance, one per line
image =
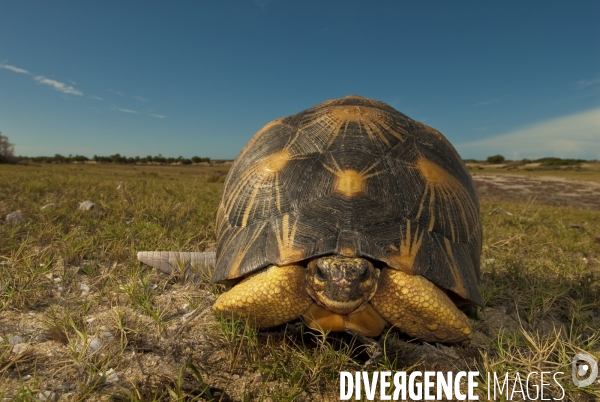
<point x="81" y="319"/>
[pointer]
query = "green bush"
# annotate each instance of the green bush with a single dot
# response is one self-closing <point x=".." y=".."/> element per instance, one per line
<point x="495" y="159"/>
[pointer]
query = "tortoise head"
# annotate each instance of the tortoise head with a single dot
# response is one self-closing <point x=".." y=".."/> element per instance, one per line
<point x="341" y="284"/>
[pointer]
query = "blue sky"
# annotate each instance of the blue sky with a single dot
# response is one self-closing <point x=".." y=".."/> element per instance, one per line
<point x="201" y="77"/>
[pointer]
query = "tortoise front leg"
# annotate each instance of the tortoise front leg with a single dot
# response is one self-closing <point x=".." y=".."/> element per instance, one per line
<point x="418" y="308"/>
<point x="271" y="297"/>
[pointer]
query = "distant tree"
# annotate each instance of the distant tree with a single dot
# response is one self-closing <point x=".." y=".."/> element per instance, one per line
<point x="80" y="158"/>
<point x="58" y="158"/>
<point x="495" y="159"/>
<point x="6" y="150"/>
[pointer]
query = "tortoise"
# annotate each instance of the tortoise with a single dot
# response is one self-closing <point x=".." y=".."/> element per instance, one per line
<point x="352" y="217"/>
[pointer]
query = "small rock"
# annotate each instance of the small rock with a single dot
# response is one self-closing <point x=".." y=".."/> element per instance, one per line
<point x="88" y="206"/>
<point x="19" y="348"/>
<point x="46" y="396"/>
<point x="85" y="289"/>
<point x="95" y="344"/>
<point x="14" y="217"/>
<point x="111" y="376"/>
<point x="15" y="340"/>
<point x="26" y="377"/>
<point x="49" y="205"/>
<point x="108" y="336"/>
<point x="91" y="319"/>
<point x="57" y="280"/>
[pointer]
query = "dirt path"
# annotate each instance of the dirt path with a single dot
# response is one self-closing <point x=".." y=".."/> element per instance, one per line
<point x="541" y="190"/>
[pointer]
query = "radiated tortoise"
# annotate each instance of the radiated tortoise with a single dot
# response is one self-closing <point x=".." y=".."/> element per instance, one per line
<point x="350" y="216"/>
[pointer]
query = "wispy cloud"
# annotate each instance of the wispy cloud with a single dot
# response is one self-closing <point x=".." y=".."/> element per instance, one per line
<point x="586" y="83"/>
<point x="158" y="116"/>
<point x="120" y="109"/>
<point x="59" y="86"/>
<point x="140" y="98"/>
<point x="572" y="136"/>
<point x="115" y="92"/>
<point x="13" y="68"/>
<point x="95" y="97"/>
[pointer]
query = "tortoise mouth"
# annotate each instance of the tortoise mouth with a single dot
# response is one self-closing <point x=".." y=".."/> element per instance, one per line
<point x="341" y="284"/>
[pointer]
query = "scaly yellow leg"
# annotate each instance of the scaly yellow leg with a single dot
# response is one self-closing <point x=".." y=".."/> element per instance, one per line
<point x="418" y="308"/>
<point x="270" y="297"/>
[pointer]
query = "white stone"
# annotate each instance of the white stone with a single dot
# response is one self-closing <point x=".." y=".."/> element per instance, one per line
<point x="111" y="376"/>
<point x="46" y="396"/>
<point x="14" y="217"/>
<point x="19" y="348"/>
<point x="15" y="340"/>
<point x="95" y="344"/>
<point x="87" y="206"/>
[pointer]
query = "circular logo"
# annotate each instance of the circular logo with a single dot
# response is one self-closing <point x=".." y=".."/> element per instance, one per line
<point x="584" y="370"/>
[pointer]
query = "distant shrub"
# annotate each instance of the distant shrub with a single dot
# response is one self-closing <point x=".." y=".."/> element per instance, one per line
<point x="495" y="159"/>
<point x="559" y="161"/>
<point x="113" y="159"/>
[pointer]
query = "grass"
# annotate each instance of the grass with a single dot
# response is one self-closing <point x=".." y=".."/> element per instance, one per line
<point x="132" y="335"/>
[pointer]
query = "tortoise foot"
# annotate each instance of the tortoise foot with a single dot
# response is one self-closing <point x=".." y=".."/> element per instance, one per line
<point x="418" y="308"/>
<point x="268" y="298"/>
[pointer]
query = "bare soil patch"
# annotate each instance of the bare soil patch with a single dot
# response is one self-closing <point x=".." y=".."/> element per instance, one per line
<point x="554" y="191"/>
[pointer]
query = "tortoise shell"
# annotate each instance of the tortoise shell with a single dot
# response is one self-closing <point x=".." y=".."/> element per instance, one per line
<point x="354" y="177"/>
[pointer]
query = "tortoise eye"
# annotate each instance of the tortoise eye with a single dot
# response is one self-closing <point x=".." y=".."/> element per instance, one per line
<point x="319" y="274"/>
<point x="366" y="274"/>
